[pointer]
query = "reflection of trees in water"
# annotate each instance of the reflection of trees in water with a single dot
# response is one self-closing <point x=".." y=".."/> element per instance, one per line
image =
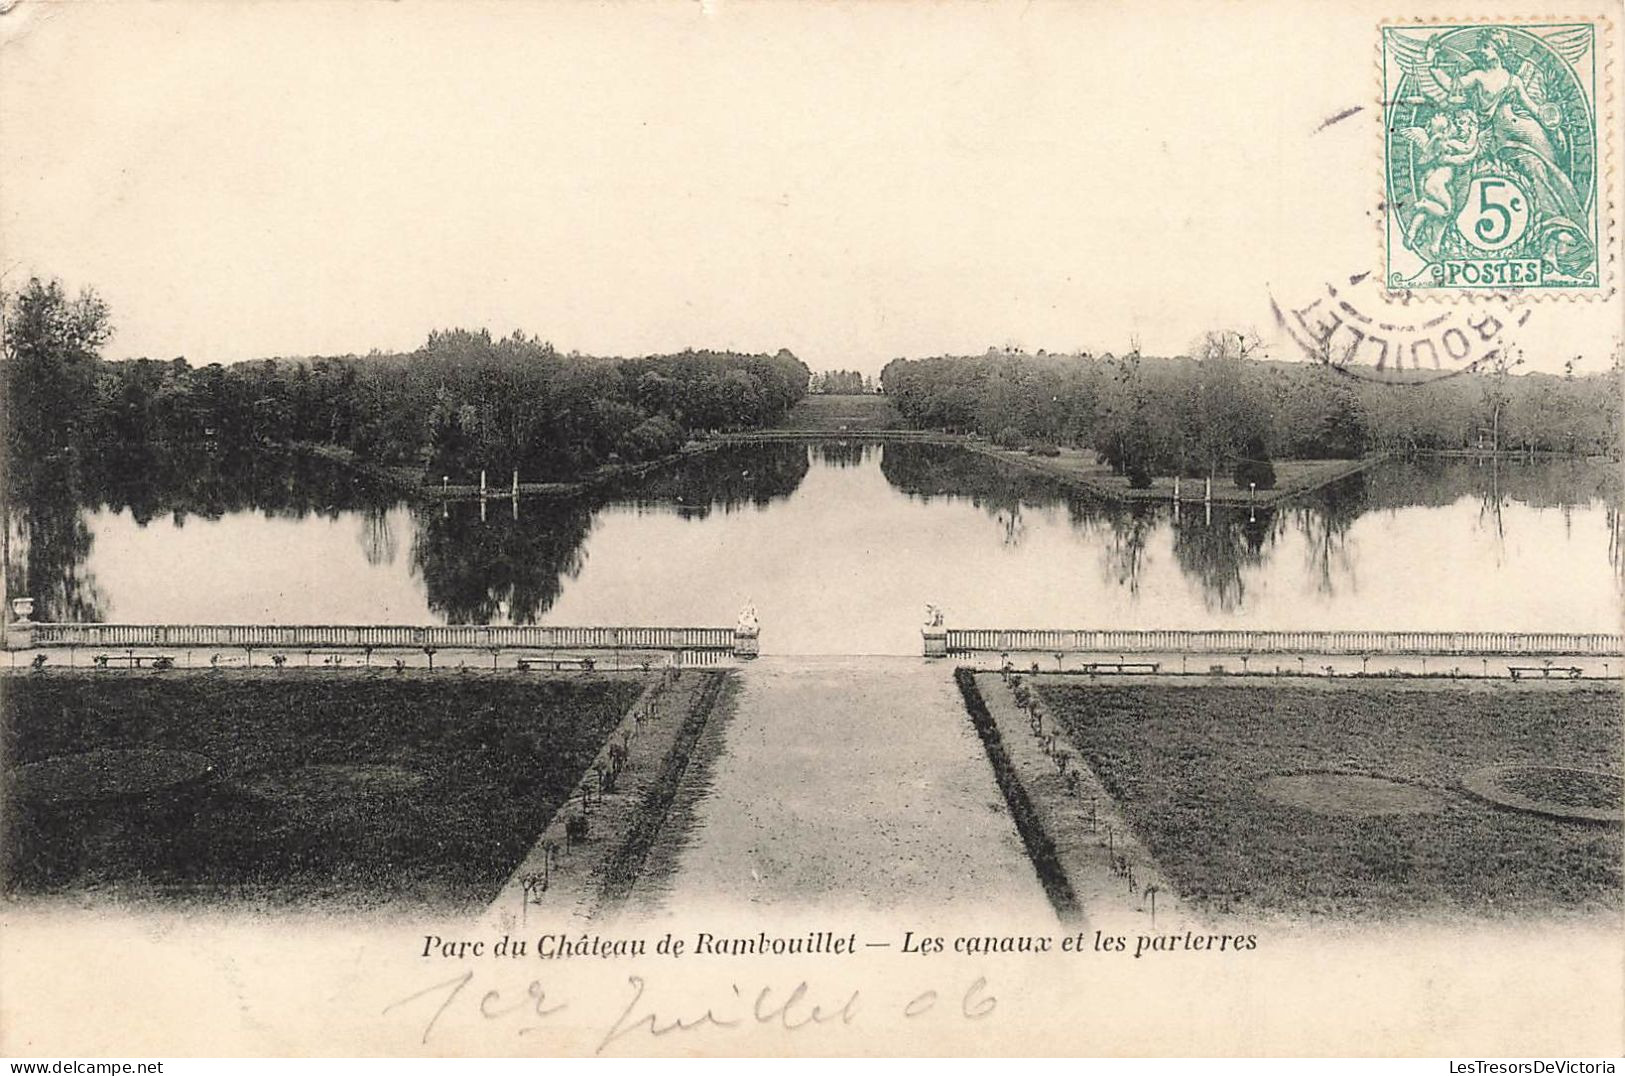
<point x="1012" y="527"/>
<point x="479" y="570"/>
<point x="476" y="571"/>
<point x="842" y="453"/>
<point x="1558" y="483"/>
<point x="1616" y="540"/>
<point x="378" y="542"/>
<point x="1491" y="499"/>
<point x="1494" y="484"/>
<point x="47" y="545"/>
<point x="1125" y="557"/>
<point x="1215" y="554"/>
<point x="194" y="481"/>
<point x="1543" y="483"/>
<point x="49" y="539"/>
<point x="727" y="478"/>
<point x="930" y="471"/>
<point x="1324" y="518"/>
<point x="1211" y="554"/>
<point x="927" y="472"/>
<point x="473" y="571"/>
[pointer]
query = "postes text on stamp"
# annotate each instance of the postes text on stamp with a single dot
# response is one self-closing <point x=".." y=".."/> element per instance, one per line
<point x="1491" y="156"/>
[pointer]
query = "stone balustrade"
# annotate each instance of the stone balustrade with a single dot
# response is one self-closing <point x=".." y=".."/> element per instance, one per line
<point x="1112" y="641"/>
<point x="24" y="635"/>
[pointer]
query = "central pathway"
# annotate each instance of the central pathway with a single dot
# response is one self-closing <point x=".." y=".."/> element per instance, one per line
<point x="846" y="784"/>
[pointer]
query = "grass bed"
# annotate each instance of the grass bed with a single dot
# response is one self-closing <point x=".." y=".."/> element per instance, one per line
<point x="365" y="791"/>
<point x="1571" y="788"/>
<point x="1187" y="765"/>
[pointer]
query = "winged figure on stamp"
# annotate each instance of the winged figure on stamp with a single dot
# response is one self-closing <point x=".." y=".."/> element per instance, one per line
<point x="1485" y="119"/>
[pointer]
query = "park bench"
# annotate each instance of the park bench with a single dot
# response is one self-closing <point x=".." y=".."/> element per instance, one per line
<point x="134" y="661"/>
<point x="1546" y="671"/>
<point x="536" y="661"/>
<point x="1122" y="666"/>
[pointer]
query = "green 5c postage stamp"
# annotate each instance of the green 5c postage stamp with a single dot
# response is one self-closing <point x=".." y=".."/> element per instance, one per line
<point x="1491" y="157"/>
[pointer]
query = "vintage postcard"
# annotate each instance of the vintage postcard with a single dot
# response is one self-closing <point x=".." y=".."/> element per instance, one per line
<point x="559" y="529"/>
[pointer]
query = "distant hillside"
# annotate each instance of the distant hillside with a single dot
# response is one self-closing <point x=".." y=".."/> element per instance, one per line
<point x="836" y="413"/>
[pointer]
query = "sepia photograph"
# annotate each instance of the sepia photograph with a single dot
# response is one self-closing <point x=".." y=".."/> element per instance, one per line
<point x="554" y="529"/>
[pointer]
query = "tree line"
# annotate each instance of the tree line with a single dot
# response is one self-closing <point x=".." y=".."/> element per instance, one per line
<point x="1224" y="410"/>
<point x="840" y="383"/>
<point x="462" y="402"/>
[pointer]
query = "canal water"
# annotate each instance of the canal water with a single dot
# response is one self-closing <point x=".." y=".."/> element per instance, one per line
<point x="840" y="546"/>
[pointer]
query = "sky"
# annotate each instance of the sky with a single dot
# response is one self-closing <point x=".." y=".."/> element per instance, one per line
<point x="854" y="183"/>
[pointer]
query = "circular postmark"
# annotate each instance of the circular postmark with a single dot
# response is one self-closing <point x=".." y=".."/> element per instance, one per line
<point x="1352" y="325"/>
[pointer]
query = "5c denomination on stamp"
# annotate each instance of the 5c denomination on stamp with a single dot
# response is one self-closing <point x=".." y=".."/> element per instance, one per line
<point x="1491" y="154"/>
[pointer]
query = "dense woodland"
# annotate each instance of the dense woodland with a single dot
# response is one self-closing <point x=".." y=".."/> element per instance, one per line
<point x="461" y="402"/>
<point x="1222" y="408"/>
<point x="467" y="401"/>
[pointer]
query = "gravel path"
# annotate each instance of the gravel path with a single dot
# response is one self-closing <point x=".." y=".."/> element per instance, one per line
<point x="846" y="783"/>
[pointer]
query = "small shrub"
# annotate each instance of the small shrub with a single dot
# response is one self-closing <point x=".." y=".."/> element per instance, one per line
<point x="1255" y="468"/>
<point x="1009" y="437"/>
<point x="650" y="439"/>
<point x="1255" y="472"/>
<point x="1044" y="448"/>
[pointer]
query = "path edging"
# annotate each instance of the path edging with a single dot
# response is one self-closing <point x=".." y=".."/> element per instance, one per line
<point x="559" y="875"/>
<point x="1110" y="873"/>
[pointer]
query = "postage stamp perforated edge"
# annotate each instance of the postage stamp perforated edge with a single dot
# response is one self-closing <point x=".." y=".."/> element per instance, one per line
<point x="1606" y="120"/>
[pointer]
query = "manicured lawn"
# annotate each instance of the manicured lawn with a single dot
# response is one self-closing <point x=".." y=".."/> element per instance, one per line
<point x="1289" y="474"/>
<point x="1186" y="764"/>
<point x="358" y="789"/>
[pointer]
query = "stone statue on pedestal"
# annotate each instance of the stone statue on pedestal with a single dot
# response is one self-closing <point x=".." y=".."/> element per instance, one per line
<point x="935" y="634"/>
<point x="747" y="632"/>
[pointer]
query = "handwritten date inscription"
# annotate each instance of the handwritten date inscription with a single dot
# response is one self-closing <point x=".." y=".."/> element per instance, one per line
<point x="527" y="1009"/>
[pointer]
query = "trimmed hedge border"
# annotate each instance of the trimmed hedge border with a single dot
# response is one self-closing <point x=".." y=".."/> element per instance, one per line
<point x="1040" y="846"/>
<point x="626" y="865"/>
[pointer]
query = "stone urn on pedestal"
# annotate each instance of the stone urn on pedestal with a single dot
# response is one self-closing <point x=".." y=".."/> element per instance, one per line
<point x="20" y="632"/>
<point x="934" y="633"/>
<point x="747" y="633"/>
